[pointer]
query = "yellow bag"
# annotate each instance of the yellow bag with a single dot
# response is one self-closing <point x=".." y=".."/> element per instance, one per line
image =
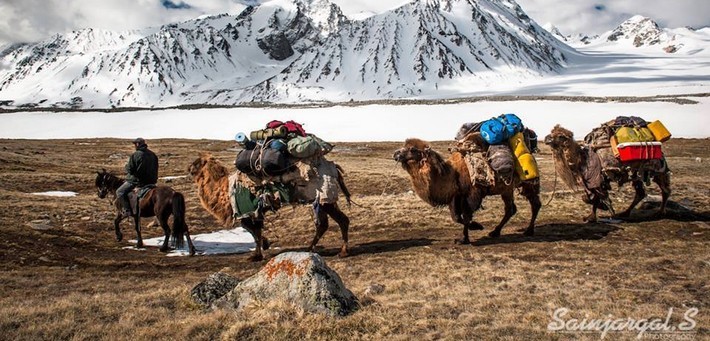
<point x="614" y="146"/>
<point x="628" y="134"/>
<point x="517" y="145"/>
<point x="526" y="167"/>
<point x="659" y="131"/>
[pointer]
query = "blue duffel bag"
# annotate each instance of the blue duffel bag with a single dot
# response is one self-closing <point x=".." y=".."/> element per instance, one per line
<point x="494" y="131"/>
<point x="513" y="124"/>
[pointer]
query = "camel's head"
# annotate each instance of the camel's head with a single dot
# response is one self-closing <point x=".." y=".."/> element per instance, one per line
<point x="559" y="137"/>
<point x="414" y="152"/>
<point x="196" y="166"/>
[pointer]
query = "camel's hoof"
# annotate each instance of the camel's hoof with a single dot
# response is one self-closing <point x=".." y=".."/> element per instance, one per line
<point x="164" y="249"/>
<point x="529" y="232"/>
<point x="256" y="258"/>
<point x="265" y="244"/>
<point x="464" y="241"/>
<point x="494" y="234"/>
<point x="119" y="237"/>
<point x="475" y="226"/>
<point x="343" y="254"/>
<point x="590" y="220"/>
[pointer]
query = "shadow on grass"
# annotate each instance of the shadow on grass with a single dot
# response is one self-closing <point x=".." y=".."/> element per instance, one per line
<point x="648" y="211"/>
<point x="370" y="248"/>
<point x="553" y="233"/>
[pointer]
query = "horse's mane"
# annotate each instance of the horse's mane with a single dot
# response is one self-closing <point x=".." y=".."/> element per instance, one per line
<point x="110" y="180"/>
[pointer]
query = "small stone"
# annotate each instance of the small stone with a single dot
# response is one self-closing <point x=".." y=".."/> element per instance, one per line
<point x="213" y="288"/>
<point x="374" y="289"/>
<point x="85" y="218"/>
<point x="44" y="259"/>
<point x="40" y="224"/>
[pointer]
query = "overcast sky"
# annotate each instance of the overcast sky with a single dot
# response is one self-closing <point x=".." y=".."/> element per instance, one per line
<point x="31" y="20"/>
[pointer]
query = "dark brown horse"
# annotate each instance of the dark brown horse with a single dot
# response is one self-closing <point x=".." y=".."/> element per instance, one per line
<point x="159" y="202"/>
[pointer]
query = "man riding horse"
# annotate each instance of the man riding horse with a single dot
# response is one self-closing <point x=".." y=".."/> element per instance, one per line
<point x="141" y="171"/>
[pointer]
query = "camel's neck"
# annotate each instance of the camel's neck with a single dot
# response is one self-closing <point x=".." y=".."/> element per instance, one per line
<point x="434" y="180"/>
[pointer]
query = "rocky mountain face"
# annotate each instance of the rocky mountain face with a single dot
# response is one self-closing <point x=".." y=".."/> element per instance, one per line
<point x="284" y="51"/>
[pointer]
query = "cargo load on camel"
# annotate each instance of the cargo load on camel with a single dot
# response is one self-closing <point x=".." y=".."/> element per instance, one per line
<point x="628" y="140"/>
<point x="281" y="164"/>
<point x="498" y="148"/>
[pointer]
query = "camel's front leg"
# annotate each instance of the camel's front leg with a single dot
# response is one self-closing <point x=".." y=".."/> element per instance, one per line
<point x="255" y="228"/>
<point x="640" y="194"/>
<point x="456" y="214"/>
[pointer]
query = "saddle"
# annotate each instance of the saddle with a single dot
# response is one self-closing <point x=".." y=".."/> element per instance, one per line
<point x="137" y="194"/>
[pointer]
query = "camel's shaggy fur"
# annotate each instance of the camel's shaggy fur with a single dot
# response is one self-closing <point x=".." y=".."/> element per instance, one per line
<point x="212" y="180"/>
<point x="570" y="166"/>
<point x="440" y="181"/>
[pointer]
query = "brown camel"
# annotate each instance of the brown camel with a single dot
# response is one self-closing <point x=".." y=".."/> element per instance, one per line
<point x="212" y="180"/>
<point x="442" y="182"/>
<point x="580" y="166"/>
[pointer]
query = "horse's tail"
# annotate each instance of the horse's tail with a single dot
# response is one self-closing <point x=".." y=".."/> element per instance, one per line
<point x="179" y="225"/>
<point x="341" y="183"/>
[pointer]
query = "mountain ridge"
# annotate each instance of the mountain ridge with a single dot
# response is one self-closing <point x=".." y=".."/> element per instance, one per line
<point x="285" y="51"/>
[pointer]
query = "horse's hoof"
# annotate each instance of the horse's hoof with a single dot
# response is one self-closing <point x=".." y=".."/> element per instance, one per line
<point x="464" y="241"/>
<point x="139" y="245"/>
<point x="265" y="244"/>
<point x="343" y="254"/>
<point x="494" y="234"/>
<point x="192" y="252"/>
<point x="529" y="232"/>
<point x="256" y="258"/>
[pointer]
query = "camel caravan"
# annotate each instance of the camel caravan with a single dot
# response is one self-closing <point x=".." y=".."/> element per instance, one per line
<point x="283" y="165"/>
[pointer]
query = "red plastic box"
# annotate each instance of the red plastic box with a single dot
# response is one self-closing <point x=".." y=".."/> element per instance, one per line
<point x="635" y="151"/>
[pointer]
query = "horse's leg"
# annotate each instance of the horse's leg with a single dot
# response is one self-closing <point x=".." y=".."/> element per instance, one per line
<point x="531" y="192"/>
<point x="663" y="180"/>
<point x="640" y="194"/>
<point x="255" y="228"/>
<point x="189" y="242"/>
<point x="343" y="221"/>
<point x="321" y="221"/>
<point x="116" y="222"/>
<point x="510" y="210"/>
<point x="166" y="230"/>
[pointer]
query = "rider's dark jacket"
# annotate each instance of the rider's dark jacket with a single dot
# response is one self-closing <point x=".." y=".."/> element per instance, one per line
<point x="142" y="167"/>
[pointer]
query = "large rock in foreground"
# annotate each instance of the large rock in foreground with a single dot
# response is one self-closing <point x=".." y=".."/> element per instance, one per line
<point x="301" y="278"/>
<point x="213" y="288"/>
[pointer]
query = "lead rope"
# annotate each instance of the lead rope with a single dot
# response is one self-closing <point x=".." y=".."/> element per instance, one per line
<point x="388" y="181"/>
<point x="554" y="186"/>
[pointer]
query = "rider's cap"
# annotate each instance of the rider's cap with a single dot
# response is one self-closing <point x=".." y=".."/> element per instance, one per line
<point x="138" y="140"/>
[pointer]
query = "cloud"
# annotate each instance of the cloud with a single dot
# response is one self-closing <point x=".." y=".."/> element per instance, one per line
<point x="599" y="16"/>
<point x="32" y="20"/>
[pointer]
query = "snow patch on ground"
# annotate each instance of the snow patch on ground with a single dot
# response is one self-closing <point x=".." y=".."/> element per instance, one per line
<point x="237" y="240"/>
<point x="56" y="193"/>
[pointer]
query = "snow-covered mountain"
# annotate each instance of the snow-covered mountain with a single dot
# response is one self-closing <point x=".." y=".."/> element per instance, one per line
<point x="643" y="35"/>
<point x="285" y="51"/>
<point x="573" y="40"/>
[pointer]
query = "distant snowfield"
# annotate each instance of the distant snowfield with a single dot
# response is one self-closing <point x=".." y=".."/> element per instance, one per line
<point x="352" y="124"/>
